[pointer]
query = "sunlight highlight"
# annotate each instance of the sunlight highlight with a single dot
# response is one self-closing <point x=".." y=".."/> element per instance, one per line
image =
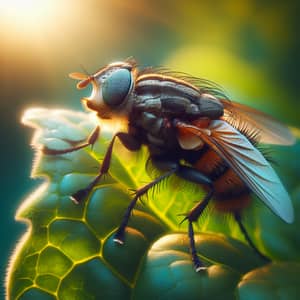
<point x="27" y="15"/>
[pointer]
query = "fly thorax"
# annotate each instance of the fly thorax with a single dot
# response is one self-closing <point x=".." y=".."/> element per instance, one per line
<point x="171" y="105"/>
<point x="157" y="130"/>
<point x="210" y="106"/>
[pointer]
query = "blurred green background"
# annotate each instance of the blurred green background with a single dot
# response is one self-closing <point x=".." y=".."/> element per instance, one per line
<point x="251" y="48"/>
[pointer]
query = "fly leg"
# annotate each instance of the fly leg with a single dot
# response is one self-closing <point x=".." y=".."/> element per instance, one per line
<point x="90" y="141"/>
<point x="128" y="141"/>
<point x="193" y="215"/>
<point x="238" y="218"/>
<point x="172" y="167"/>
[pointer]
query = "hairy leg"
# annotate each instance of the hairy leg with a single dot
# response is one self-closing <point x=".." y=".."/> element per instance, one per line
<point x="89" y="142"/>
<point x="238" y="219"/>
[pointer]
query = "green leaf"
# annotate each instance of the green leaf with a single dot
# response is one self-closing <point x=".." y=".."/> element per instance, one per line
<point x="68" y="251"/>
<point x="276" y="281"/>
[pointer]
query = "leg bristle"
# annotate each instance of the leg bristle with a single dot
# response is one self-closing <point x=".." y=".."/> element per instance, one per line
<point x="200" y="269"/>
<point x="73" y="199"/>
<point x="119" y="241"/>
<point x="80" y="195"/>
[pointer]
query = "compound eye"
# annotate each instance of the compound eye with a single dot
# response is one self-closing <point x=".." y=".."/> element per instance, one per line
<point x="116" y="87"/>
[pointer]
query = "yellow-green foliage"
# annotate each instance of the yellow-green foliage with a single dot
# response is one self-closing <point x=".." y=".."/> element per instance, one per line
<point x="68" y="251"/>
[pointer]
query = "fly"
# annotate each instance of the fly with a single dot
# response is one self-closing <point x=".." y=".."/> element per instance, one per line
<point x="192" y="130"/>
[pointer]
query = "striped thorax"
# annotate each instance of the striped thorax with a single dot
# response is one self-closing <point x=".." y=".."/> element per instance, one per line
<point x="120" y="88"/>
<point x="173" y="97"/>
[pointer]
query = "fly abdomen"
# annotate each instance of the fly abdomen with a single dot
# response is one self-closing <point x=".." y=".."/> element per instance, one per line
<point x="210" y="164"/>
<point x="230" y="192"/>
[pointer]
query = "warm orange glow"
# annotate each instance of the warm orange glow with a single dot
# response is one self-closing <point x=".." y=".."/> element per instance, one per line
<point x="28" y="15"/>
<point x="49" y="31"/>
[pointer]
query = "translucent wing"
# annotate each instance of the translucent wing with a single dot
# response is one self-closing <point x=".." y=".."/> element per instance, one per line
<point x="270" y="130"/>
<point x="248" y="163"/>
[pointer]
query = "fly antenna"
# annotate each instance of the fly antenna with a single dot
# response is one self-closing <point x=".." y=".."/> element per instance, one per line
<point x="85" y="78"/>
<point x="85" y="71"/>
